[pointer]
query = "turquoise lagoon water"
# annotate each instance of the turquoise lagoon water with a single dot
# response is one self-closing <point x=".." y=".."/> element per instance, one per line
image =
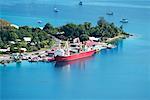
<point x="122" y="73"/>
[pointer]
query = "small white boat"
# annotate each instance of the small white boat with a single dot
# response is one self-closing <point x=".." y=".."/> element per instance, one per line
<point x="110" y="46"/>
<point x="56" y="10"/>
<point x="39" y="21"/>
<point x="110" y="13"/>
<point x="99" y="47"/>
<point x="124" y="20"/>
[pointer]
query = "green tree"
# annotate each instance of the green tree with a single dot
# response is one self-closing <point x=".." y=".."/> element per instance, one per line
<point x="84" y="37"/>
<point x="13" y="36"/>
<point x="48" y="26"/>
<point x="1" y="43"/>
<point x="50" y="29"/>
<point x="87" y="25"/>
<point x="14" y="49"/>
<point x="101" y="21"/>
<point x="69" y="29"/>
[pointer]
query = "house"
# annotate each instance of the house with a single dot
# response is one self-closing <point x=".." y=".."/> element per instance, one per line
<point x="27" y="39"/>
<point x="76" y="40"/>
<point x="12" y="42"/>
<point x="32" y="43"/>
<point x="23" y="49"/>
<point x="18" y="40"/>
<point x="5" y="50"/>
<point x="94" y="39"/>
<point x="60" y="33"/>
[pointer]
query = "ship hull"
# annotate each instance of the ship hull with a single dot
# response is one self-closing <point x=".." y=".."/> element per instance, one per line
<point x="75" y="56"/>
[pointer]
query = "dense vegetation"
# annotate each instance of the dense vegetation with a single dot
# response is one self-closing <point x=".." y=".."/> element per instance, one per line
<point x="14" y="38"/>
<point x="102" y="30"/>
<point x="41" y="38"/>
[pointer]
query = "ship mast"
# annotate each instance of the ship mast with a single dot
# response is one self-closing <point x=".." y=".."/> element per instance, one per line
<point x="67" y="48"/>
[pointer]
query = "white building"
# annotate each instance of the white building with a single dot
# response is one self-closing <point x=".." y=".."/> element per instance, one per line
<point x="93" y="39"/>
<point x="5" y="50"/>
<point x="12" y="42"/>
<point x="27" y="39"/>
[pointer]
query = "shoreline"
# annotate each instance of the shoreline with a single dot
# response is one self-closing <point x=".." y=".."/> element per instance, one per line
<point x="55" y="38"/>
<point x="7" y="57"/>
<point x="115" y="38"/>
<point x="121" y="36"/>
<point x="109" y="40"/>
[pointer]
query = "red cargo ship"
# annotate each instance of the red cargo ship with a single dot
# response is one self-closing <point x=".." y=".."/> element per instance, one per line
<point x="75" y="56"/>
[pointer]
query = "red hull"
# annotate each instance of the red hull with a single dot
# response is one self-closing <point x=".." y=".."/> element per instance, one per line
<point x="75" y="56"/>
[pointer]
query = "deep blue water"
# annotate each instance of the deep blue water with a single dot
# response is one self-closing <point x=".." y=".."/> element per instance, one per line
<point x="122" y="73"/>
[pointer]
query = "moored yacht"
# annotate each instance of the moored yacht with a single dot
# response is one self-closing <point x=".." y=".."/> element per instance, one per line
<point x="124" y="20"/>
<point x="56" y="10"/>
<point x="39" y="21"/>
